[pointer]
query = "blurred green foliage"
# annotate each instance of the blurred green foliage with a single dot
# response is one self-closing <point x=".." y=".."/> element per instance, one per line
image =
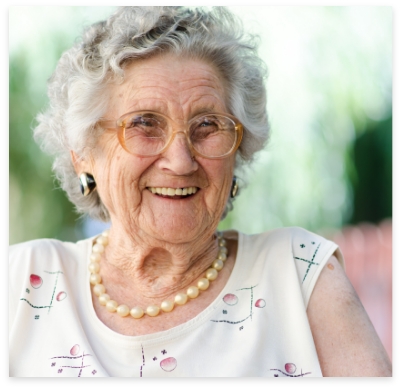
<point x="37" y="207"/>
<point x="372" y="183"/>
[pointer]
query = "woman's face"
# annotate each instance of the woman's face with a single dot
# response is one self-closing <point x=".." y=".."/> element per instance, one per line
<point x="180" y="89"/>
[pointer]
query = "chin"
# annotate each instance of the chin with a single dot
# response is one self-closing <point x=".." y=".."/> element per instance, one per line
<point x="179" y="229"/>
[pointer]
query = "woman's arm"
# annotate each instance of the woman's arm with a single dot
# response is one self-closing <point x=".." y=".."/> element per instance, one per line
<point x="345" y="339"/>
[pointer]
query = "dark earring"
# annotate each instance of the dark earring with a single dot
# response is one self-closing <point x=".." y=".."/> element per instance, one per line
<point x="87" y="183"/>
<point x="235" y="187"/>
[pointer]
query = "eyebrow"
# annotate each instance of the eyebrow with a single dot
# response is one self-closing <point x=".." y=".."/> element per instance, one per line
<point x="205" y="110"/>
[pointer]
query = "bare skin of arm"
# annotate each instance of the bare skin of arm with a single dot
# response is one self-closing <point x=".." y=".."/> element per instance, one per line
<point x="346" y="341"/>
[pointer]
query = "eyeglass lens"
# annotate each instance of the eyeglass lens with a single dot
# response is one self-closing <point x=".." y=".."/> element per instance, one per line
<point x="210" y="135"/>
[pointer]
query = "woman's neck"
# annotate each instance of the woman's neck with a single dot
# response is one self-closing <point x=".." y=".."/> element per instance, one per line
<point x="141" y="265"/>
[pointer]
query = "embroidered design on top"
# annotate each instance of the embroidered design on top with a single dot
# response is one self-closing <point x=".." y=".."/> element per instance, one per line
<point x="167" y="364"/>
<point x="232" y="300"/>
<point x="37" y="282"/>
<point x="290" y="370"/>
<point x="143" y="360"/>
<point x="74" y="356"/>
<point x="309" y="261"/>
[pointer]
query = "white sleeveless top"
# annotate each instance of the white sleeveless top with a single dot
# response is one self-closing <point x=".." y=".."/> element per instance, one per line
<point x="257" y="325"/>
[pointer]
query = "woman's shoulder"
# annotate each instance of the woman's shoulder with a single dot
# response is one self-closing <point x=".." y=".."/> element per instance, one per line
<point x="303" y="245"/>
<point x="288" y="251"/>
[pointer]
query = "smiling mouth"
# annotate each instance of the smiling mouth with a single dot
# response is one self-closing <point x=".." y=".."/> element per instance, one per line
<point x="177" y="193"/>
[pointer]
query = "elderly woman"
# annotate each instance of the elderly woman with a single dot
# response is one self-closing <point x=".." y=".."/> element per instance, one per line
<point x="150" y="116"/>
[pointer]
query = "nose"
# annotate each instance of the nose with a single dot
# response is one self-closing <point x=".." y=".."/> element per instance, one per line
<point x="178" y="158"/>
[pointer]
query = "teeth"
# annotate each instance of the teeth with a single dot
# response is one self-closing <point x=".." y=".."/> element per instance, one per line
<point x="174" y="192"/>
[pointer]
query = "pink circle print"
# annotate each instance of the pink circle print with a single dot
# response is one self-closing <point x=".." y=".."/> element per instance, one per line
<point x="290" y="368"/>
<point x="168" y="364"/>
<point x="75" y="349"/>
<point x="61" y="296"/>
<point x="230" y="299"/>
<point x="36" y="281"/>
<point x="260" y="303"/>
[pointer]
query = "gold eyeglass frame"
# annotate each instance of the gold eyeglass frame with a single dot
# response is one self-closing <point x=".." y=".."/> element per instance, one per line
<point x="120" y="123"/>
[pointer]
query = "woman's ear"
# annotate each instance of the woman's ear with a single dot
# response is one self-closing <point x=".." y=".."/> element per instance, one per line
<point x="84" y="169"/>
<point x="81" y="164"/>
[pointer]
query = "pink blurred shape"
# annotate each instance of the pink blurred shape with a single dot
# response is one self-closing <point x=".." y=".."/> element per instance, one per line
<point x="75" y="349"/>
<point x="230" y="299"/>
<point x="36" y="281"/>
<point x="61" y="296"/>
<point x="260" y="303"/>
<point x="168" y="364"/>
<point x="290" y="368"/>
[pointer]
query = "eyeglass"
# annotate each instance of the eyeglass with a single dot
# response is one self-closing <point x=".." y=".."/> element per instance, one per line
<point x="147" y="134"/>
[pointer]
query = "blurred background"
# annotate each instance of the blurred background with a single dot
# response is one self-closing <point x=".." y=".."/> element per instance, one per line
<point x="327" y="168"/>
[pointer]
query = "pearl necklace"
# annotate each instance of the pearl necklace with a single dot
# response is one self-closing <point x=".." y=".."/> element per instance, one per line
<point x="152" y="310"/>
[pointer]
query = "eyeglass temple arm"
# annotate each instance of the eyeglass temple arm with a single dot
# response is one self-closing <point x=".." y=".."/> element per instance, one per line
<point x="110" y="124"/>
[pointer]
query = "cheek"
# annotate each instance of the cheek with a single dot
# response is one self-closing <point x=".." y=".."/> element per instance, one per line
<point x="220" y="175"/>
<point x="118" y="175"/>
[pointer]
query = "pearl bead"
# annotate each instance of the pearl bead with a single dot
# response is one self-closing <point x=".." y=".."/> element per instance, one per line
<point x="193" y="292"/>
<point x="223" y="250"/>
<point x="222" y="256"/>
<point x="98" y="248"/>
<point x="203" y="284"/>
<point x="111" y="306"/>
<point x="104" y="298"/>
<point x="217" y="264"/>
<point x="123" y="310"/>
<point x="103" y="240"/>
<point x="95" y="257"/>
<point x="167" y="305"/>
<point x="95" y="279"/>
<point x="94" y="267"/>
<point x="136" y="312"/>
<point x="105" y="233"/>
<point x="222" y="242"/>
<point x="99" y="289"/>
<point x="152" y="310"/>
<point x="211" y="274"/>
<point x="180" y="299"/>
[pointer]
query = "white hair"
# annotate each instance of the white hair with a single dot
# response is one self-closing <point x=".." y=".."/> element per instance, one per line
<point x="77" y="88"/>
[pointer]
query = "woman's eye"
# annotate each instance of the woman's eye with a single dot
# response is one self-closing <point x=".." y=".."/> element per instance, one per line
<point x="211" y="125"/>
<point x="143" y="126"/>
<point x="141" y="121"/>
<point x="206" y="123"/>
<point x="205" y="129"/>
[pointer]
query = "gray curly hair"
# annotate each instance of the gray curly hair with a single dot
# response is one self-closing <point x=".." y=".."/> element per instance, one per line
<point x="78" y="86"/>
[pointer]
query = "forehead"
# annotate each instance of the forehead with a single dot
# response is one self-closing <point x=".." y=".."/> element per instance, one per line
<point x="171" y="85"/>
